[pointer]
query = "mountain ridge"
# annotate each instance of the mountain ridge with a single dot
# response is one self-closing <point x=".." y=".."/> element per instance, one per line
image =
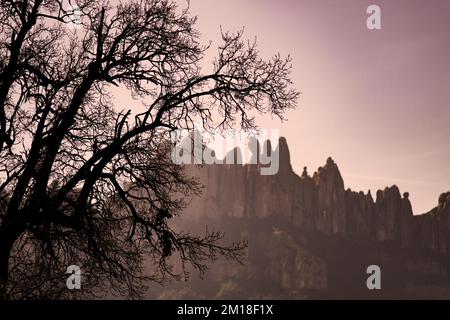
<point x="309" y="237"/>
<point x="319" y="202"/>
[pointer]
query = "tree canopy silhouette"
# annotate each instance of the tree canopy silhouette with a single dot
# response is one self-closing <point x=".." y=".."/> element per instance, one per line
<point x="85" y="180"/>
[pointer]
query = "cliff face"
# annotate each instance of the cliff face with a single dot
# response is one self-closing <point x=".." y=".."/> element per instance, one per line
<point x="319" y="202"/>
<point x="308" y="236"/>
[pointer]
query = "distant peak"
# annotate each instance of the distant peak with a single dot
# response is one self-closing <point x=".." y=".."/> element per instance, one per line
<point x="305" y="172"/>
<point x="444" y="200"/>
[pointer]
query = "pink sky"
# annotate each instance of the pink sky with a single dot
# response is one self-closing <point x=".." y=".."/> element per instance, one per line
<point x="376" y="101"/>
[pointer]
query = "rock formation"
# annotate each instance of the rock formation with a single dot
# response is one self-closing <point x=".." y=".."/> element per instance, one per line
<point x="319" y="202"/>
<point x="310" y="237"/>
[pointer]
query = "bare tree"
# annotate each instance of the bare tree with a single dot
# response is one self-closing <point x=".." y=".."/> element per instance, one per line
<point x="86" y="181"/>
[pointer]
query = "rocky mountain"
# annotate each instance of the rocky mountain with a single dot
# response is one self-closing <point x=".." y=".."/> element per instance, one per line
<point x="320" y="202"/>
<point x="310" y="237"/>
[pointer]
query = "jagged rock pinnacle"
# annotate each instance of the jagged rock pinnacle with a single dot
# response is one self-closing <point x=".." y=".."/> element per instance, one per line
<point x="322" y="203"/>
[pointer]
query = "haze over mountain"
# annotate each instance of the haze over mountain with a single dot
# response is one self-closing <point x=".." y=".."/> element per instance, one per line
<point x="309" y="237"/>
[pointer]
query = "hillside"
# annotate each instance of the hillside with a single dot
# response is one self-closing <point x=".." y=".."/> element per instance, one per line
<point x="309" y="237"/>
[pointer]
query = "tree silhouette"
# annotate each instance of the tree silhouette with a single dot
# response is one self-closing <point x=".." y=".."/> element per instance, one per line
<point x="87" y="181"/>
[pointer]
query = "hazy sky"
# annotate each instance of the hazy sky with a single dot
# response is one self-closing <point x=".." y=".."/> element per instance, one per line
<point x="378" y="101"/>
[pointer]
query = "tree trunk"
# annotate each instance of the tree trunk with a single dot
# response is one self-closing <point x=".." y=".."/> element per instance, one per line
<point x="8" y="236"/>
<point x="5" y="251"/>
